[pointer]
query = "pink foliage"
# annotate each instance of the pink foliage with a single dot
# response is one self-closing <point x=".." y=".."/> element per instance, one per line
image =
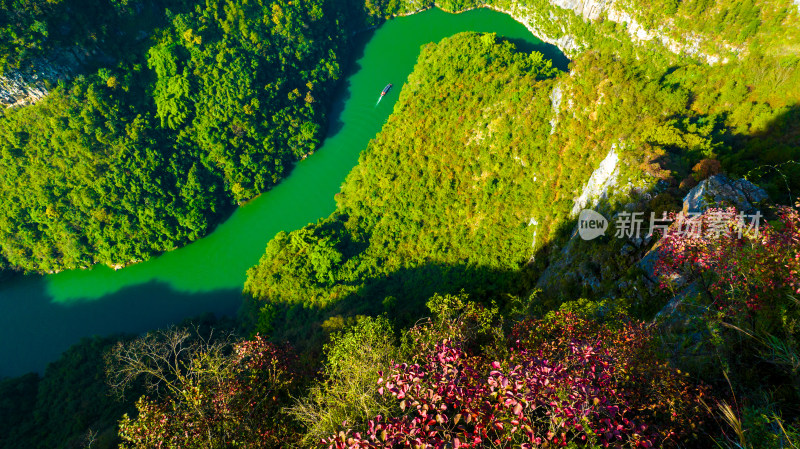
<point x="235" y="400"/>
<point x="738" y="267"/>
<point x="453" y="400"/>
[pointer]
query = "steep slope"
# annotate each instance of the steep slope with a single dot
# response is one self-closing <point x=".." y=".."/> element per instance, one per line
<point x="467" y="182"/>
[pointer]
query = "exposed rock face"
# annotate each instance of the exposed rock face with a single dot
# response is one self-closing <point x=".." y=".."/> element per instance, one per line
<point x="600" y="183"/>
<point x="597" y="188"/>
<point x="555" y="103"/>
<point x="522" y="14"/>
<point x="719" y="190"/>
<point x="28" y="86"/>
<point x="16" y="89"/>
<point x="688" y="45"/>
<point x="716" y="190"/>
<point x="590" y="10"/>
<point x="21" y="87"/>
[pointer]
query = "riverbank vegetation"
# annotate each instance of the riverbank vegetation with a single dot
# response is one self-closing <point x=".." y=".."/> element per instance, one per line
<point x="146" y="154"/>
<point x="434" y="307"/>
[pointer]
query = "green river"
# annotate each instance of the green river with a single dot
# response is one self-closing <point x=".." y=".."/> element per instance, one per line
<point x="41" y="316"/>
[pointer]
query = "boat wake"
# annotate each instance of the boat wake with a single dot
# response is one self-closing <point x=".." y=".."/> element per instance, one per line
<point x="384" y="92"/>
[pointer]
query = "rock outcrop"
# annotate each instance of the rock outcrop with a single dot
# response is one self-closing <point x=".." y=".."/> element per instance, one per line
<point x="719" y="190"/>
<point x="598" y="187"/>
<point x="555" y="103"/>
<point x="600" y="183"/>
<point x="565" y="41"/>
<point x="591" y="10"/>
<point x="27" y="86"/>
<point x="21" y="87"/>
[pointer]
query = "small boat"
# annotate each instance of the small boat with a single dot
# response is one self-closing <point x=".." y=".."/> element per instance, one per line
<point x="386" y="89"/>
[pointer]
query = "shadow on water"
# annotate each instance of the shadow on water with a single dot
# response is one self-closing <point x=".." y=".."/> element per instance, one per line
<point x="343" y="91"/>
<point x="550" y="51"/>
<point x="25" y="348"/>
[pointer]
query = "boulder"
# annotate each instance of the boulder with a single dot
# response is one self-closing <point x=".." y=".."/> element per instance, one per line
<point x="719" y="190"/>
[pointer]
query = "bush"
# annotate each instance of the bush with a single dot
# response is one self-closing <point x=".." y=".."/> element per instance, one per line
<point x="347" y="394"/>
<point x="215" y="393"/>
<point x="740" y="314"/>
<point x="564" y="379"/>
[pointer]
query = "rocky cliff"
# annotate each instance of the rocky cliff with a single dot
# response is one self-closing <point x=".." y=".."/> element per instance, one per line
<point x="546" y="19"/>
<point x="563" y="23"/>
<point x="21" y="87"/>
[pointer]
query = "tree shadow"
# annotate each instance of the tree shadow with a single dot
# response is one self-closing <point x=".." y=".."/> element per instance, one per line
<point x="766" y="156"/>
<point x="769" y="156"/>
<point x="85" y="35"/>
<point x="401" y="295"/>
<point x="549" y="51"/>
<point x="342" y="92"/>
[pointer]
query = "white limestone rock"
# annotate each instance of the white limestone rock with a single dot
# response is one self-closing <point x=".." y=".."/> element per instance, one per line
<point x="600" y="183"/>
<point x="720" y="190"/>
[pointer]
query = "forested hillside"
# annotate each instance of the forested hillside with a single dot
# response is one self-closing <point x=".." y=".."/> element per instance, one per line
<point x="144" y="156"/>
<point x="422" y="198"/>
<point x="204" y="107"/>
<point x="430" y="211"/>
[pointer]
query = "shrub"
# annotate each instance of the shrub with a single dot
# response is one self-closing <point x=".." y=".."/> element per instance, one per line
<point x="740" y="316"/>
<point x="216" y="398"/>
<point x="563" y="380"/>
<point x="740" y="269"/>
<point x="354" y="359"/>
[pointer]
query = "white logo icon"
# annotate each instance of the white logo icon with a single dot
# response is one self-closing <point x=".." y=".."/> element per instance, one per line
<point x="591" y="224"/>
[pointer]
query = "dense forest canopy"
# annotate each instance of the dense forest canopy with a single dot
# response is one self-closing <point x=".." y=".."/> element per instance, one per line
<point x="201" y="106"/>
<point x="421" y="197"/>
<point x="145" y="156"/>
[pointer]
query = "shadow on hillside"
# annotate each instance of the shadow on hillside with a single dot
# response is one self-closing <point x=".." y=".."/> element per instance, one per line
<point x="35" y="331"/>
<point x="765" y="156"/>
<point x="611" y="266"/>
<point x="769" y="157"/>
<point x="401" y="295"/>
<point x="86" y="35"/>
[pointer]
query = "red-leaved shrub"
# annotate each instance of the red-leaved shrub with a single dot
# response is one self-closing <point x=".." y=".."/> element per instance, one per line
<point x="231" y="400"/>
<point x="742" y="269"/>
<point x="564" y="380"/>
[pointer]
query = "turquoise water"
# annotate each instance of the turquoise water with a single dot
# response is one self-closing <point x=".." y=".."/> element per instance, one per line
<point x="40" y="317"/>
